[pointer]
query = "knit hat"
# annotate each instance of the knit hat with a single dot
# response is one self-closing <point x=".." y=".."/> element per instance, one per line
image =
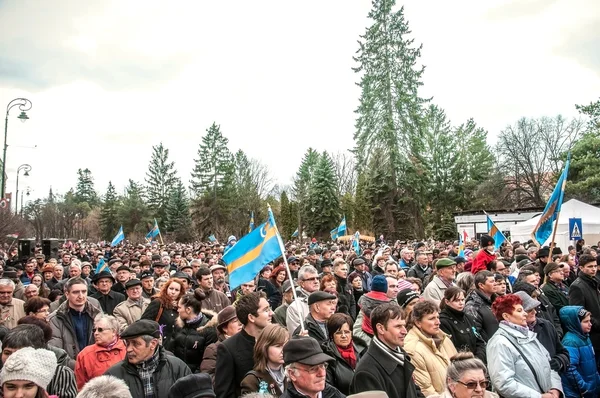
<point x="405" y="296"/>
<point x="444" y="263"/>
<point x="543" y="252"/>
<point x="486" y="241"/>
<point x="37" y="366"/>
<point x="197" y="385"/>
<point x="379" y="284"/>
<point x="551" y="267"/>
<point x="582" y="313"/>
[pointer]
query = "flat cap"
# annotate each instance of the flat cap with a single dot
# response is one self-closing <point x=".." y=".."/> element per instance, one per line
<point x="145" y="274"/>
<point x="320" y="296"/>
<point x="142" y="327"/>
<point x="123" y="268"/>
<point x="133" y="283"/>
<point x="444" y="262"/>
<point x="287" y="285"/>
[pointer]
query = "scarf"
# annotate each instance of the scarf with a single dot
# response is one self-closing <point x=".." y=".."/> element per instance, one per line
<point x="112" y="344"/>
<point x="194" y="319"/>
<point x="348" y="355"/>
<point x="532" y="324"/>
<point x="397" y="355"/>
<point x="523" y="329"/>
<point x="278" y="375"/>
<point x="145" y="370"/>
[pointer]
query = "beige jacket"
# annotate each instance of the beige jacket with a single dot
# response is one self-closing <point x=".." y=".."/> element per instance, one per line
<point x="128" y="312"/>
<point x="430" y="361"/>
<point x="11" y="313"/>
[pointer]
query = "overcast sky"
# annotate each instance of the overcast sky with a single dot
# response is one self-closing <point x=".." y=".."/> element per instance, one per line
<point x="109" y="79"/>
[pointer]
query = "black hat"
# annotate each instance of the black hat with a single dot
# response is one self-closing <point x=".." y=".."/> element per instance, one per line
<point x="185" y="265"/>
<point x="123" y="268"/>
<point x="101" y="275"/>
<point x="182" y="275"/>
<point x="292" y="259"/>
<point x="326" y="263"/>
<point x="145" y="274"/>
<point x="155" y="257"/>
<point x="114" y="260"/>
<point x="160" y="265"/>
<point x="304" y="350"/>
<point x="142" y="327"/>
<point x="132" y="283"/>
<point x="556" y="250"/>
<point x="543" y="252"/>
<point x="486" y="241"/>
<point x="405" y="296"/>
<point x="196" y="385"/>
<point x="319" y="295"/>
<point x="459" y="259"/>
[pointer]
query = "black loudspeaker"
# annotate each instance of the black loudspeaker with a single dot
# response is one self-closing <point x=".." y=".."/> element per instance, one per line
<point x="50" y="248"/>
<point x="26" y="247"/>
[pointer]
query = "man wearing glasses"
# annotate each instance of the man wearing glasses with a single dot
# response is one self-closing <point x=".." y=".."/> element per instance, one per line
<point x="308" y="280"/>
<point x="306" y="369"/>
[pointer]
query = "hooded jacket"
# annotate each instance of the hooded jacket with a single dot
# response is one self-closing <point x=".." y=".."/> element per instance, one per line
<point x="479" y="308"/>
<point x="191" y="339"/>
<point x="581" y="378"/>
<point x="481" y="261"/>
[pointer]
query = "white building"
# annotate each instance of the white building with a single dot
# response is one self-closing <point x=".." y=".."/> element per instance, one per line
<point x="475" y="222"/>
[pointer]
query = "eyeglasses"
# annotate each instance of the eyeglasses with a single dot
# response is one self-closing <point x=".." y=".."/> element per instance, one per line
<point x="100" y="330"/>
<point x="473" y="384"/>
<point x="310" y="279"/>
<point x="314" y="369"/>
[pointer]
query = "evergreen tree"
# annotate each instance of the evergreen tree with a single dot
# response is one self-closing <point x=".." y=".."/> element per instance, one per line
<point x="109" y="217"/>
<point x="160" y="180"/>
<point x="286" y="225"/>
<point x="324" y="203"/>
<point x="178" y="214"/>
<point x="133" y="212"/>
<point x="302" y="187"/>
<point x="389" y="115"/>
<point x="362" y="220"/>
<point x="84" y="191"/>
<point x="213" y="182"/>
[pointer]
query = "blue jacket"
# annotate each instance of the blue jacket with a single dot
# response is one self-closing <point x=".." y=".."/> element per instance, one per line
<point x="581" y="378"/>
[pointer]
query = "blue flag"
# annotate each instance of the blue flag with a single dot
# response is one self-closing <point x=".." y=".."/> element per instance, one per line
<point x="251" y="253"/>
<point x="342" y="227"/>
<point x="495" y="233"/>
<point x="212" y="238"/>
<point x="356" y="242"/>
<point x="101" y="266"/>
<point x="461" y="246"/>
<point x="154" y="232"/>
<point x="543" y="229"/>
<point x="295" y="234"/>
<point x="118" y="238"/>
<point x="251" y="226"/>
<point x="334" y="234"/>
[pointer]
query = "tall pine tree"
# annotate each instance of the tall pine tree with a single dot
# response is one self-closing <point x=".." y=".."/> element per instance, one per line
<point x="324" y="203"/>
<point x="388" y="116"/>
<point x="178" y="214"/>
<point x="160" y="181"/>
<point x="84" y="191"/>
<point x="302" y="186"/>
<point x="133" y="212"/>
<point x="109" y="216"/>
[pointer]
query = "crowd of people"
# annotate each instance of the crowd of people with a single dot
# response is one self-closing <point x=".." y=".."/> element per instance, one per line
<point x="408" y="319"/>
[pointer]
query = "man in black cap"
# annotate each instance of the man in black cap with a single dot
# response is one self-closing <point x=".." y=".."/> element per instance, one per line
<point x="148" y="289"/>
<point x="122" y="275"/>
<point x="543" y="256"/>
<point x="107" y="298"/>
<point x="306" y="369"/>
<point x="147" y="370"/>
<point x="321" y="306"/>
<point x="159" y="269"/>
<point x="131" y="310"/>
<point x="294" y="264"/>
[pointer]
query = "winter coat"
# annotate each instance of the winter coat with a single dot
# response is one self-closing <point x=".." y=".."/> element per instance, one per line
<point x="510" y="374"/>
<point x="582" y="378"/>
<point x="346" y="295"/>
<point x="280" y="314"/>
<point x="167" y="319"/>
<point x="328" y="392"/>
<point x="584" y="292"/>
<point x="378" y="371"/>
<point x="235" y="358"/>
<point x="361" y="338"/>
<point x="548" y="336"/>
<point x="435" y="290"/>
<point x="481" y="261"/>
<point x="129" y="311"/>
<point x="63" y="331"/>
<point x="251" y="383"/>
<point x="169" y="370"/>
<point x="11" y="313"/>
<point x="191" y="339"/>
<point x="297" y="310"/>
<point x="417" y="272"/>
<point x="94" y="360"/>
<point x="545" y="309"/>
<point x="479" y="308"/>
<point x="215" y="301"/>
<point x="313" y="329"/>
<point x="339" y="372"/>
<point x="274" y="296"/>
<point x="109" y="301"/>
<point x="209" y="360"/>
<point x="430" y="360"/>
<point x="557" y="298"/>
<point x="460" y="328"/>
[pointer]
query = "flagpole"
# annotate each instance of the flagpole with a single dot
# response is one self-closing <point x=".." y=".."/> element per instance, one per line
<point x="289" y="272"/>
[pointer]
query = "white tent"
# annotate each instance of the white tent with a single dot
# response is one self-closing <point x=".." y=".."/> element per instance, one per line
<point x="590" y="219"/>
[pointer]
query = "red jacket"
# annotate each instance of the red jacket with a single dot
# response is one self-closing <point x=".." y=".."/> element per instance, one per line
<point x="481" y="261"/>
<point x="94" y="360"/>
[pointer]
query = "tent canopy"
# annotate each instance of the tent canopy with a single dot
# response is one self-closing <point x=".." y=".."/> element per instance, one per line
<point x="590" y="218"/>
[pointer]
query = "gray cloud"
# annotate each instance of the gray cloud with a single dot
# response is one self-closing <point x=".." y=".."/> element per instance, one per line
<point x="519" y="9"/>
<point x="582" y="44"/>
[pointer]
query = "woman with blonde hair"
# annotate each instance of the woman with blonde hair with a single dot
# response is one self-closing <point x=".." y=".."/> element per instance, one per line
<point x="163" y="309"/>
<point x="268" y="362"/>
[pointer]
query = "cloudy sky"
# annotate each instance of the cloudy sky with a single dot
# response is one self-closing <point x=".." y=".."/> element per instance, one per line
<point x="109" y="79"/>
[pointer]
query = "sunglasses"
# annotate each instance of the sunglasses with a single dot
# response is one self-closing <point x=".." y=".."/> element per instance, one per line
<point x="473" y="384"/>
<point x="310" y="279"/>
<point x="99" y="330"/>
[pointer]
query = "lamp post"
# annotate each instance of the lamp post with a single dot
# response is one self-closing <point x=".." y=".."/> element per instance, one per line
<point x="27" y="169"/>
<point x="24" y="105"/>
<point x="28" y="193"/>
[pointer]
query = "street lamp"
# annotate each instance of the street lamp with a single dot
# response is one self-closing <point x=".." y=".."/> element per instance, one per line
<point x="27" y="169"/>
<point x="24" y="105"/>
<point x="28" y="193"/>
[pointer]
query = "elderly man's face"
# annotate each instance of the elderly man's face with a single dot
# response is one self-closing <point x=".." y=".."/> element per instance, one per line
<point x="6" y="293"/>
<point x="31" y="291"/>
<point x="309" y="379"/>
<point x="58" y="272"/>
